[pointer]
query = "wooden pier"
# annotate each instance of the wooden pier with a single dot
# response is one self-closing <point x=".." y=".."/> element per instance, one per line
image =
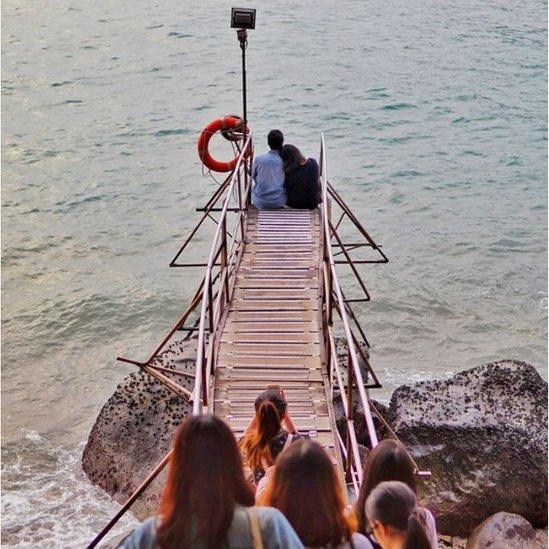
<point x="267" y="312"/>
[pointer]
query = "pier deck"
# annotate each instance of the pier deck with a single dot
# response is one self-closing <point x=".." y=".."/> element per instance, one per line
<point x="273" y="326"/>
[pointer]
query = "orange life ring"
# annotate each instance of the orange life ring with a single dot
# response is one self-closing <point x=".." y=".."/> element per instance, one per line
<point x="219" y="124"/>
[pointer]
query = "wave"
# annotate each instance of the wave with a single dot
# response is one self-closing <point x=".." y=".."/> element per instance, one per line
<point x="46" y="499"/>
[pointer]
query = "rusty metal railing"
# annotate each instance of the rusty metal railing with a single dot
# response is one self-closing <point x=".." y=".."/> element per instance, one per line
<point x="229" y="249"/>
<point x="335" y="301"/>
<point x="213" y="293"/>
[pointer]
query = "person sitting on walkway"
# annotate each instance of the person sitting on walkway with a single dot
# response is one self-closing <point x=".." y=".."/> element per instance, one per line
<point x="264" y="439"/>
<point x="306" y="488"/>
<point x="302" y="179"/>
<point x="389" y="460"/>
<point x="268" y="191"/>
<point x="207" y="502"/>
<point x="396" y="519"/>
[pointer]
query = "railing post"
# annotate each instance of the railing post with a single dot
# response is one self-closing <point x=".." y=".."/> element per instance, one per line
<point x="210" y="306"/>
<point x="224" y="266"/>
<point x="248" y="167"/>
<point x="240" y="213"/>
<point x="350" y="409"/>
<point x="204" y="378"/>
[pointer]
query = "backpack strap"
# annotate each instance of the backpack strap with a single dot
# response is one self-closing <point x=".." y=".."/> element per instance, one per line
<point x="255" y="529"/>
<point x="287" y="443"/>
<point x="289" y="439"/>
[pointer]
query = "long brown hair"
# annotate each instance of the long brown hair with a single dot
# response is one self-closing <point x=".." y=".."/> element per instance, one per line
<point x="270" y="408"/>
<point x="389" y="460"/>
<point x="204" y="483"/>
<point x="306" y="488"/>
<point x="394" y="504"/>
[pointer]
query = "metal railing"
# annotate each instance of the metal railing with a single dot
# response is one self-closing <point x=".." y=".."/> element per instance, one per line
<point x="334" y="300"/>
<point x="213" y="293"/>
<point x="228" y="248"/>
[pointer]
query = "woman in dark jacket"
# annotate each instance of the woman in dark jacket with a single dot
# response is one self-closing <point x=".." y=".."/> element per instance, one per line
<point x="301" y="179"/>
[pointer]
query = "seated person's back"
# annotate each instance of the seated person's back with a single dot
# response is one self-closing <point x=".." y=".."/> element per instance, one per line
<point x="268" y="191"/>
<point x="301" y="179"/>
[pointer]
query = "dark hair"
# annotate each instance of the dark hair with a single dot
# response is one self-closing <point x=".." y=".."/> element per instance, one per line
<point x="204" y="483"/>
<point x="389" y="460"/>
<point x="275" y="139"/>
<point x="305" y="487"/>
<point x="292" y="158"/>
<point x="273" y="395"/>
<point x="394" y="504"/>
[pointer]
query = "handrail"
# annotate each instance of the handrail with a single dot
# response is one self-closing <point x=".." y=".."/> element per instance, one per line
<point x="200" y="398"/>
<point x="332" y="290"/>
<point x="205" y="294"/>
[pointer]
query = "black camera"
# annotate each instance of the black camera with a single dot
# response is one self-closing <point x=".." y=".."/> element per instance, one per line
<point x="242" y="18"/>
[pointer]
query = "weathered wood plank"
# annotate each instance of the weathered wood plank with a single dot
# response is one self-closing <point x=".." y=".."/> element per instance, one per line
<point x="271" y="338"/>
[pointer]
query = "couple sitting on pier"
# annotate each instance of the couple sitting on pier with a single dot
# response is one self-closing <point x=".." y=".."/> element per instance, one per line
<point x="283" y="177"/>
<point x="295" y="497"/>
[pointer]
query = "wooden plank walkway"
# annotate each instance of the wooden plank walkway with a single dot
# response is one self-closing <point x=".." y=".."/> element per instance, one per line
<point x="271" y="332"/>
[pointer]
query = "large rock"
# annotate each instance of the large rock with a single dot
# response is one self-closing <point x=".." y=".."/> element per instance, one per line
<point x="482" y="434"/>
<point x="134" y="430"/>
<point x="503" y="531"/>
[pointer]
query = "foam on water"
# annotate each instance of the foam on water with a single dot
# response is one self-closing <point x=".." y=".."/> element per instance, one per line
<point x="47" y="501"/>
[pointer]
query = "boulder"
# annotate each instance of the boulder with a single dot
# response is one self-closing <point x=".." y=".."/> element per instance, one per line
<point x="482" y="434"/>
<point x="503" y="531"/>
<point x="134" y="430"/>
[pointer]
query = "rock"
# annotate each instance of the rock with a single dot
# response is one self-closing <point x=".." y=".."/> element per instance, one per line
<point x="482" y="434"/>
<point x="503" y="531"/>
<point x="134" y="430"/>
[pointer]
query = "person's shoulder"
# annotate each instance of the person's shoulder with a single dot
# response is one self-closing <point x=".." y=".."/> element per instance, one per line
<point x="262" y="157"/>
<point x="143" y="537"/>
<point x="277" y="531"/>
<point x="430" y="523"/>
<point x="269" y="513"/>
<point x="312" y="162"/>
<point x="361" y="542"/>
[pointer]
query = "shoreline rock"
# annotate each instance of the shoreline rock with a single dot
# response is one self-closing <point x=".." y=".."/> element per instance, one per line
<point x="134" y="429"/>
<point x="481" y="433"/>
<point x="503" y="530"/>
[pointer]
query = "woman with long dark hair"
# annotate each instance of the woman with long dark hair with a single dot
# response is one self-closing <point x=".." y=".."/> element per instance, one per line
<point x="305" y="486"/>
<point x="388" y="461"/>
<point x="301" y="179"/>
<point x="265" y="437"/>
<point x="206" y="500"/>
<point x="395" y="517"/>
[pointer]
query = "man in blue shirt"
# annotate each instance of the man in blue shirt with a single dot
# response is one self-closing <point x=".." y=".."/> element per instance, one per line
<point x="268" y="192"/>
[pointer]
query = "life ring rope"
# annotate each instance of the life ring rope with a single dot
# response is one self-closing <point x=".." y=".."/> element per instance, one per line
<point x="225" y="124"/>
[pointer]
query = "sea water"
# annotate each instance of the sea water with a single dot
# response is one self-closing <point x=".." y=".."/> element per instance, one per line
<point x="434" y="115"/>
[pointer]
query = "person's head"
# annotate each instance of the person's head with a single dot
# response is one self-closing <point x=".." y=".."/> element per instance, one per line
<point x="306" y="488"/>
<point x="292" y="159"/>
<point x="272" y="394"/>
<point x="395" y="518"/>
<point x="275" y="139"/>
<point x="389" y="460"/>
<point x="204" y="482"/>
<point x="270" y="409"/>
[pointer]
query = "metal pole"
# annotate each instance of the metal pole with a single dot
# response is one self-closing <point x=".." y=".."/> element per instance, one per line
<point x="243" y="39"/>
<point x="131" y="500"/>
